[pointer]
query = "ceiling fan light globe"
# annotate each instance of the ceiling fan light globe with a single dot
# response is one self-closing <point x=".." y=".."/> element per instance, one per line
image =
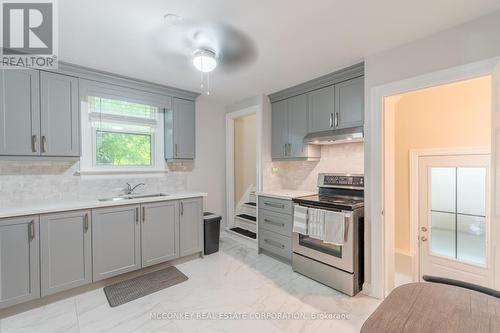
<point x="204" y="61"/>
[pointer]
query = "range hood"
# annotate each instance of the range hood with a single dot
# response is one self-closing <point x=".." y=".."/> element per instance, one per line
<point x="344" y="135"/>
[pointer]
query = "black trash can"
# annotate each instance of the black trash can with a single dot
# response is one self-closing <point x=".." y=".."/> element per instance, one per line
<point x="212" y="232"/>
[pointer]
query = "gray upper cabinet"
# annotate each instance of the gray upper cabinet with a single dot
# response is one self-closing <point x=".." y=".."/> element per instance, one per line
<point x="289" y="127"/>
<point x="19" y="112"/>
<point x="349" y="103"/>
<point x="297" y="127"/>
<point x="159" y="232"/>
<point x="41" y="114"/>
<point x="59" y="115"/>
<point x="65" y="251"/>
<point x="279" y="131"/>
<point x="321" y="109"/>
<point x="116" y="239"/>
<point x="190" y="225"/>
<point x="19" y="260"/>
<point x="180" y="130"/>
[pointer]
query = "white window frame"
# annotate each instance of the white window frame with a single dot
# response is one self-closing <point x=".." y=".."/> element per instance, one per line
<point x="88" y="132"/>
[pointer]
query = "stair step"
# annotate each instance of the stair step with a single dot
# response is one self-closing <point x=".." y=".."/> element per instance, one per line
<point x="244" y="232"/>
<point x="250" y="205"/>
<point x="247" y="217"/>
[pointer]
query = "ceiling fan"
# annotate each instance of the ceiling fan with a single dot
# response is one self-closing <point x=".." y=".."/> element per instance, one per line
<point x="207" y="46"/>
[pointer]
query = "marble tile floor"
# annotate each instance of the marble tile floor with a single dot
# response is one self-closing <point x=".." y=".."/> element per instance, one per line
<point x="233" y="281"/>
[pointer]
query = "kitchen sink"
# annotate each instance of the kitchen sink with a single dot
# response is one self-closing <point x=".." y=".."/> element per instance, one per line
<point x="134" y="196"/>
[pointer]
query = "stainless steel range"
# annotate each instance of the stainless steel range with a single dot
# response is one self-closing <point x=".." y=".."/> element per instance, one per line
<point x="338" y="266"/>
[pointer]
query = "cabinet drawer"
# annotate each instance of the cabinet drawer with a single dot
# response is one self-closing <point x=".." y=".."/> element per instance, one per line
<point x="276" y="222"/>
<point x="276" y="205"/>
<point x="277" y="244"/>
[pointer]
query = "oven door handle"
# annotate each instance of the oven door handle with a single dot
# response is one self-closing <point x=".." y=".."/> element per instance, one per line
<point x="347" y="220"/>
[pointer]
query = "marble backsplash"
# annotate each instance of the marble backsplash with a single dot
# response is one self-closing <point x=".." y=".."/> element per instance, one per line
<point x="302" y="175"/>
<point x="32" y="182"/>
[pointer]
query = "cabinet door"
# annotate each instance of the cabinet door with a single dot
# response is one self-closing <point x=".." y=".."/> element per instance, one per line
<point x="159" y="232"/>
<point x="321" y="109"/>
<point x="19" y="112"/>
<point x="59" y="115"/>
<point x="279" y="130"/>
<point x="184" y="129"/>
<point x="190" y="226"/>
<point x="349" y="103"/>
<point x="115" y="241"/>
<point x="19" y="260"/>
<point x="297" y="126"/>
<point x="65" y="247"/>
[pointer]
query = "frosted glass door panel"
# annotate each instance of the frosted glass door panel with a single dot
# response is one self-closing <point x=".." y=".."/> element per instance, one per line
<point x="471" y="191"/>
<point x="443" y="185"/>
<point x="471" y="245"/>
<point x="443" y="234"/>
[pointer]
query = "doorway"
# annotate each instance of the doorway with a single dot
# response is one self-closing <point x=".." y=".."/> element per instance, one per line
<point x="453" y="217"/>
<point x="441" y="121"/>
<point x="243" y="172"/>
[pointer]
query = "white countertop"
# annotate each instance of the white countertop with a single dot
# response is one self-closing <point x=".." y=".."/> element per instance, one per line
<point x="60" y="206"/>
<point x="285" y="194"/>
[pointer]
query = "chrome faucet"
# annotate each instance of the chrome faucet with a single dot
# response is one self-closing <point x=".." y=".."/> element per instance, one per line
<point x="129" y="189"/>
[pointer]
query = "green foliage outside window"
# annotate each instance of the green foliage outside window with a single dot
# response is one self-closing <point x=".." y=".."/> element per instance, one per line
<point x="116" y="148"/>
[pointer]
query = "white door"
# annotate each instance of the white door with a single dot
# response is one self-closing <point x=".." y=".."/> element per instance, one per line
<point x="454" y="217"/>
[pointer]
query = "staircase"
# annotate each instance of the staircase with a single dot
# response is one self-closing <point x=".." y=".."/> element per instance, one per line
<point x="245" y="218"/>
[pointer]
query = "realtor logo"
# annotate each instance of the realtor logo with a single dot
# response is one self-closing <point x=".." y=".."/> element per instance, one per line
<point x="29" y="33"/>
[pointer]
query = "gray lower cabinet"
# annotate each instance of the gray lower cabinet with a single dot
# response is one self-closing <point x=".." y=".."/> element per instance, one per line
<point x="349" y="103"/>
<point x="19" y="260"/>
<point x="275" y="219"/>
<point x="159" y="232"/>
<point x="60" y="123"/>
<point x="180" y="130"/>
<point x="190" y="226"/>
<point x="116" y="241"/>
<point x="19" y="112"/>
<point x="65" y="251"/>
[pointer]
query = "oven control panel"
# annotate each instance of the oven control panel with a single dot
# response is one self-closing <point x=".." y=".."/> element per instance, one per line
<point x="336" y="180"/>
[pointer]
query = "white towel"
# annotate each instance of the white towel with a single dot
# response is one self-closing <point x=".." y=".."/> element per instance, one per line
<point x="300" y="219"/>
<point x="316" y="223"/>
<point x="335" y="228"/>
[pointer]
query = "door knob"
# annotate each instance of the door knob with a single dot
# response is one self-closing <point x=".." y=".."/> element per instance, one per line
<point x="423" y="239"/>
<point x="424" y="229"/>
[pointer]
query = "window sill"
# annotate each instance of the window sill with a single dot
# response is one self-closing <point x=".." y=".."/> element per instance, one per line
<point x="119" y="172"/>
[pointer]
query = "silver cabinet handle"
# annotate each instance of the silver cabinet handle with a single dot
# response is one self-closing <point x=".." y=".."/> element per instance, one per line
<point x="274" y="243"/>
<point x="284" y="149"/>
<point x="274" y="223"/>
<point x="175" y="150"/>
<point x="289" y="149"/>
<point x="336" y="119"/>
<point x="86" y="222"/>
<point x="34" y="143"/>
<point x="331" y="119"/>
<point x="143" y="214"/>
<point x="270" y="204"/>
<point x="44" y="144"/>
<point x="182" y="208"/>
<point x="31" y="230"/>
<point x="136" y="215"/>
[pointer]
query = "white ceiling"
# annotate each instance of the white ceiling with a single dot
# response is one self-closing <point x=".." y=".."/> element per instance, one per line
<point x="295" y="40"/>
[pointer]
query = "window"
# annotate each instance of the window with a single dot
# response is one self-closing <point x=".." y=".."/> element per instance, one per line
<point x="458" y="213"/>
<point x="121" y="133"/>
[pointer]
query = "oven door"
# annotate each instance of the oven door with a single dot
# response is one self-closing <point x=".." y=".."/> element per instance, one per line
<point x="337" y="256"/>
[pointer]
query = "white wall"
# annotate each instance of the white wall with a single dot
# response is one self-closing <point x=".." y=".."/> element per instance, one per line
<point x="467" y="43"/>
<point x="208" y="174"/>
